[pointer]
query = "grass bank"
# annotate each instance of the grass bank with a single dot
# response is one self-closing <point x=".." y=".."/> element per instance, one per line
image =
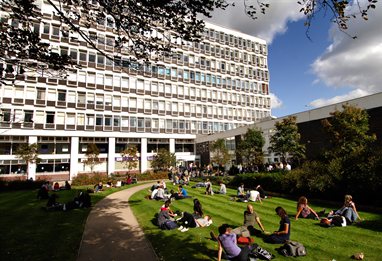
<point x="28" y="232"/>
<point x="338" y="243"/>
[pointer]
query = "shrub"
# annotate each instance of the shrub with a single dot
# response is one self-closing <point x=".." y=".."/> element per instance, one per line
<point x="20" y="185"/>
<point x="150" y="175"/>
<point x="269" y="181"/>
<point x="89" y="179"/>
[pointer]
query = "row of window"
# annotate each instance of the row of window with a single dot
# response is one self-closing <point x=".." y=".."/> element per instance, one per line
<point x="135" y="105"/>
<point x="210" y="34"/>
<point x="108" y="42"/>
<point x="116" y="122"/>
<point x="223" y="67"/>
<point x="20" y="93"/>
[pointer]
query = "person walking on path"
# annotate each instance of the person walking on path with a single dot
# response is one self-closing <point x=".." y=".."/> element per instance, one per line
<point x="112" y="231"/>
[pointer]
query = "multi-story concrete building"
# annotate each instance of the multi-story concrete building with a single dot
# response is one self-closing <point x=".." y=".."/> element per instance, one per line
<point x="215" y="85"/>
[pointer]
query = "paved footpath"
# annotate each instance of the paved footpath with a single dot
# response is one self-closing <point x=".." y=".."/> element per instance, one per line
<point x="112" y="231"/>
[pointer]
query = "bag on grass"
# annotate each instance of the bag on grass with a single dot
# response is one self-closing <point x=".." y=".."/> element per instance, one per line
<point x="244" y="241"/>
<point x="169" y="224"/>
<point x="260" y="253"/>
<point x="292" y="248"/>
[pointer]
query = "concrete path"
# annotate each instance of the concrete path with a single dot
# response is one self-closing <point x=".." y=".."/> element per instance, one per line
<point x="112" y="231"/>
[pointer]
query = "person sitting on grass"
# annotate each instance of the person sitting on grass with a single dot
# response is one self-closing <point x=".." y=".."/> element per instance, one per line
<point x="188" y="221"/>
<point x="67" y="186"/>
<point x="198" y="211"/>
<point x="165" y="217"/>
<point x="241" y="194"/>
<point x="248" y="227"/>
<point x="98" y="187"/>
<point x="159" y="195"/>
<point x="254" y="196"/>
<point x="209" y="190"/>
<point x="227" y="241"/>
<point x="348" y="210"/>
<point x="262" y="192"/>
<point x="304" y="211"/>
<point x="283" y="234"/>
<point x="222" y="189"/>
<point x="181" y="194"/>
<point x="166" y="206"/>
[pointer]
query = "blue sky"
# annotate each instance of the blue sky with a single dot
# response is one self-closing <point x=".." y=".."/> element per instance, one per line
<point x="329" y="68"/>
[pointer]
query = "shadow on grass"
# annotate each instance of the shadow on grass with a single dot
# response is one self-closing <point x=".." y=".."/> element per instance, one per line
<point x="167" y="244"/>
<point x="374" y="225"/>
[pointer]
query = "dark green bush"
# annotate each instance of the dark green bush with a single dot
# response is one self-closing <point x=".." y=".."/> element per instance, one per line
<point x="20" y="185"/>
<point x="269" y="181"/>
<point x="89" y="179"/>
<point x="150" y="175"/>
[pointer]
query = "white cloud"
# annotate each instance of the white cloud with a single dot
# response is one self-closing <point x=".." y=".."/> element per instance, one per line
<point x="266" y="26"/>
<point x="340" y="98"/>
<point x="275" y="101"/>
<point x="353" y="64"/>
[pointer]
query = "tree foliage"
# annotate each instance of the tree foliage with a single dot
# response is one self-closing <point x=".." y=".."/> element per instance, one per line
<point x="130" y="157"/>
<point x="349" y="132"/>
<point x="353" y="147"/>
<point x="92" y="156"/>
<point x="28" y="153"/>
<point x="338" y="11"/>
<point x="250" y="147"/>
<point x="286" y="139"/>
<point x="135" y="24"/>
<point x="219" y="152"/>
<point x="163" y="160"/>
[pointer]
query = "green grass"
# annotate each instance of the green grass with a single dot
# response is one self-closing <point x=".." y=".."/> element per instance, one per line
<point x="338" y="243"/>
<point x="28" y="232"/>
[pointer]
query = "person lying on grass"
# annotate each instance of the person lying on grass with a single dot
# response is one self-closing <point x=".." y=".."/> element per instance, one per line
<point x="248" y="227"/>
<point x="188" y="221"/>
<point x="281" y="235"/>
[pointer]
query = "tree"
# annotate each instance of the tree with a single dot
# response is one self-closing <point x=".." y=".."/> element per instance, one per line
<point x="92" y="156"/>
<point x="250" y="147"/>
<point x="163" y="160"/>
<point x="354" y="152"/>
<point x="286" y="139"/>
<point x="219" y="152"/>
<point x="130" y="157"/>
<point x="28" y="153"/>
<point x="142" y="27"/>
<point x="349" y="132"/>
<point x="338" y="11"/>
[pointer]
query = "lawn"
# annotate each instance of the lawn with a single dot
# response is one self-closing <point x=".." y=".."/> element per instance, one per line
<point x="337" y="243"/>
<point x="28" y="232"/>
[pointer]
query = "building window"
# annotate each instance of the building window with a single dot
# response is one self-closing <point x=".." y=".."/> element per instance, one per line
<point x="49" y="117"/>
<point x="28" y="116"/>
<point x="61" y="95"/>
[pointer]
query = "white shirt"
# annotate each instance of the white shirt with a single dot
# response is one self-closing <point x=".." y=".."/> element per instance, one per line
<point x="254" y="195"/>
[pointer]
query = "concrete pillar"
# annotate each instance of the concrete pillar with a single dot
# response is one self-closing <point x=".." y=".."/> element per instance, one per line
<point x="31" y="167"/>
<point x="74" y="147"/>
<point x="143" y="154"/>
<point x="172" y="146"/>
<point x="111" y="157"/>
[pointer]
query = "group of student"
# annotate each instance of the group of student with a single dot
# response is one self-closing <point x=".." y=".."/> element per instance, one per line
<point x="251" y="195"/>
<point x="166" y="217"/>
<point x="227" y="238"/>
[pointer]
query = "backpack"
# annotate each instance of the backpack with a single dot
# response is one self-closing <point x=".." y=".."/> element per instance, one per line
<point x="169" y="224"/>
<point x="293" y="248"/>
<point x="261" y="253"/>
